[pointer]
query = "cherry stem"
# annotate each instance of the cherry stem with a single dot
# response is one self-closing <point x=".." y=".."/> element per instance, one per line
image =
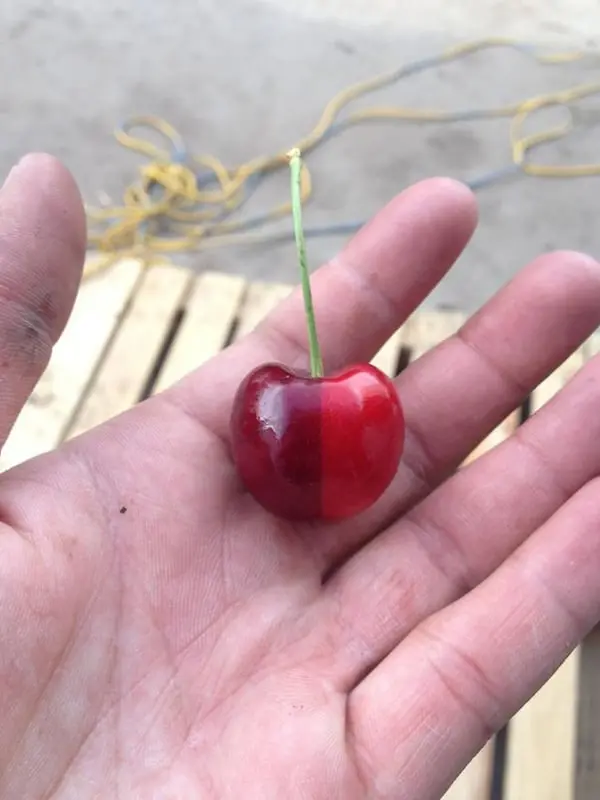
<point x="316" y="361"/>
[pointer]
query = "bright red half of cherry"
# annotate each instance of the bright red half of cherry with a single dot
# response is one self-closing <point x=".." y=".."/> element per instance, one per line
<point x="317" y="448"/>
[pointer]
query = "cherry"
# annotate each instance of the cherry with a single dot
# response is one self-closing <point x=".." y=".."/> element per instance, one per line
<point x="315" y="447"/>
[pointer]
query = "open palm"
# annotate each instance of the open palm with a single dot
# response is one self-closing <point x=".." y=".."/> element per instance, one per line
<point x="163" y="637"/>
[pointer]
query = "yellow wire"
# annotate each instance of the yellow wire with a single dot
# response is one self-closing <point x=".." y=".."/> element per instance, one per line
<point x="126" y="230"/>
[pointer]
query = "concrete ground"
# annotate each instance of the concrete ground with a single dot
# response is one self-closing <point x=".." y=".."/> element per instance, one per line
<point x="246" y="77"/>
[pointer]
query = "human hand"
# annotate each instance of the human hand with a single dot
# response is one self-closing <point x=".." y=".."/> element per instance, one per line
<point x="195" y="647"/>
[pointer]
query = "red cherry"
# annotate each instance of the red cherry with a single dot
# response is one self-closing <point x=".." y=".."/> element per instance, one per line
<point x="314" y="447"/>
<point x="320" y="448"/>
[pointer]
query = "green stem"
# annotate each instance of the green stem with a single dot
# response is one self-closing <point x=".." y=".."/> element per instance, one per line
<point x="316" y="362"/>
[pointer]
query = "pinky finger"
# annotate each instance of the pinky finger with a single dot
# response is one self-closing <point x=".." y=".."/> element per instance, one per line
<point x="462" y="674"/>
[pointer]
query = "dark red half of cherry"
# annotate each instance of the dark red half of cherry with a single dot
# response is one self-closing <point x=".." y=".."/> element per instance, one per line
<point x="317" y="448"/>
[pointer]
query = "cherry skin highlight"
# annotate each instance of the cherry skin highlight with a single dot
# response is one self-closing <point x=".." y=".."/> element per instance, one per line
<point x="317" y="448"/>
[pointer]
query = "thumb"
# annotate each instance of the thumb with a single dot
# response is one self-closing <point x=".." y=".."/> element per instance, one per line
<point x="42" y="250"/>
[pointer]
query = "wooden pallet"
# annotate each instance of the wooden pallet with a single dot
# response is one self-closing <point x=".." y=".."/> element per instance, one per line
<point x="135" y="332"/>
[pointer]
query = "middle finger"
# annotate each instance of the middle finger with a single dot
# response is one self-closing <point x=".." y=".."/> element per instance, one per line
<point x="456" y="394"/>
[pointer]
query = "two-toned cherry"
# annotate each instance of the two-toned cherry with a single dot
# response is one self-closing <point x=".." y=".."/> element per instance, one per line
<point x="315" y="447"/>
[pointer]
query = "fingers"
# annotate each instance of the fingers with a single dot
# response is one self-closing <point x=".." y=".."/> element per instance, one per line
<point x="461" y="675"/>
<point x="460" y="534"/>
<point x="360" y="298"/>
<point x="459" y="392"/>
<point x="42" y="248"/>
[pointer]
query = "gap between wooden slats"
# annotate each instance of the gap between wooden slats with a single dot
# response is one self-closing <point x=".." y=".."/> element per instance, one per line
<point x="99" y="307"/>
<point x="542" y="735"/>
<point x="389" y="356"/>
<point x="587" y="772"/>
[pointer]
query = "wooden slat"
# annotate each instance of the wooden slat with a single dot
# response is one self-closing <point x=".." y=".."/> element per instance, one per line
<point x="592" y="347"/>
<point x="210" y="313"/>
<point x="542" y="735"/>
<point x="261" y="298"/>
<point x="426" y="329"/>
<point x="132" y="356"/>
<point x="98" y="309"/>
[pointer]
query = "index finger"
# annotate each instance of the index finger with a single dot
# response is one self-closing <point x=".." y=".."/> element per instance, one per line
<point x="361" y="297"/>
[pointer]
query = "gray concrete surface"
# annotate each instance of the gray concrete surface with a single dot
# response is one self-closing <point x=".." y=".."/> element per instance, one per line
<point x="245" y="77"/>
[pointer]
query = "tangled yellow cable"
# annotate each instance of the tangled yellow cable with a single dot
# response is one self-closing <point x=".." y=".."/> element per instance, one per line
<point x="169" y="211"/>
